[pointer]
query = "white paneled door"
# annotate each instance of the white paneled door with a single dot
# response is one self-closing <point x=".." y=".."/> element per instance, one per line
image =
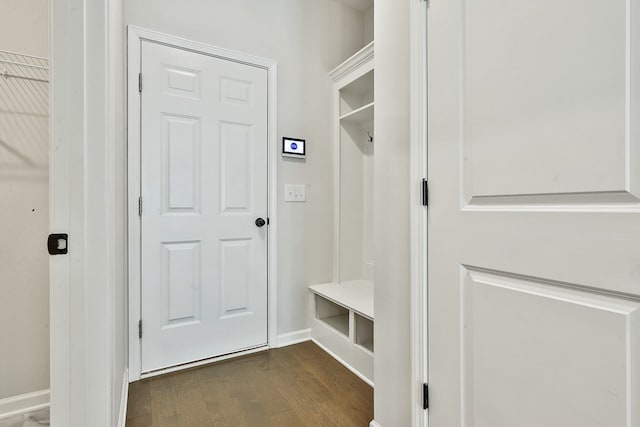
<point x="204" y="190"/>
<point x="534" y="213"/>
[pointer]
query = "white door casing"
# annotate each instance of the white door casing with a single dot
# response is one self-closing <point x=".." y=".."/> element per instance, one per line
<point x="534" y="213"/>
<point x="233" y="248"/>
<point x="418" y="212"/>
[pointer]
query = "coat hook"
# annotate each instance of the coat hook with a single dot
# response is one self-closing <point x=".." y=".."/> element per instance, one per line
<point x="369" y="137"/>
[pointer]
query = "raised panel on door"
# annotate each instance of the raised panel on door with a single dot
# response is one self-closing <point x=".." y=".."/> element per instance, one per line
<point x="538" y="353"/>
<point x="181" y="263"/>
<point x="236" y="180"/>
<point x="235" y="273"/>
<point x="546" y="105"/>
<point x="182" y="164"/>
<point x="534" y="213"/>
<point x="182" y="82"/>
<point x="236" y="91"/>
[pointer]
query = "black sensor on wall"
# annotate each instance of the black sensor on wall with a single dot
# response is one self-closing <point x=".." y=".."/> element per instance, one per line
<point x="293" y="147"/>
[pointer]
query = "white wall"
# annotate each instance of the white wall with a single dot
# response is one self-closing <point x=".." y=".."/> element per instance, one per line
<point x="24" y="268"/>
<point x="369" y="21"/>
<point x="392" y="362"/>
<point x="307" y="38"/>
<point x="24" y="27"/>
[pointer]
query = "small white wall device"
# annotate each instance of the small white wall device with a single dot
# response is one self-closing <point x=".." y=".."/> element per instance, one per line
<point x="293" y="147"/>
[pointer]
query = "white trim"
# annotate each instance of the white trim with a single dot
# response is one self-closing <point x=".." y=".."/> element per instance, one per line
<point x="418" y="213"/>
<point x="272" y="122"/>
<point x="204" y="362"/>
<point x="64" y="105"/>
<point x="133" y="192"/>
<point x="135" y="37"/>
<point x="345" y="364"/>
<point x="374" y="423"/>
<point x="84" y="48"/>
<point x="295" y="337"/>
<point x="353" y="63"/>
<point x="139" y="33"/>
<point x="124" y="399"/>
<point x="336" y="183"/>
<point x="24" y="403"/>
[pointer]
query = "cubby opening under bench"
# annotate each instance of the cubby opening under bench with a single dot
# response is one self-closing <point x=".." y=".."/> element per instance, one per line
<point x="343" y="323"/>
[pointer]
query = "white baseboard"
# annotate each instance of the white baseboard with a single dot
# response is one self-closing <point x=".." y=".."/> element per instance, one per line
<point x="124" y="399"/>
<point x="24" y="403"/>
<point x="294" y="337"/>
<point x="374" y="424"/>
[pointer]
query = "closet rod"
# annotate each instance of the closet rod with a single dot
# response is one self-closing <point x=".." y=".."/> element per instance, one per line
<point x="8" y="75"/>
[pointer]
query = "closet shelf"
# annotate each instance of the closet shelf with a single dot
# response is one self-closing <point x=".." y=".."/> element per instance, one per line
<point x="362" y="115"/>
<point x="356" y="295"/>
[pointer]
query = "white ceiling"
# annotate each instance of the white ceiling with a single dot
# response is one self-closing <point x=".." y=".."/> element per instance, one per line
<point x="360" y="5"/>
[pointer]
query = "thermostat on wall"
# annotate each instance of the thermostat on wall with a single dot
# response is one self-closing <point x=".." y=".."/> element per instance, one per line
<point x="293" y="147"/>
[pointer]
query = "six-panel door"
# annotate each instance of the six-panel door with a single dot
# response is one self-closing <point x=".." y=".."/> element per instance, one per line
<point x="204" y="182"/>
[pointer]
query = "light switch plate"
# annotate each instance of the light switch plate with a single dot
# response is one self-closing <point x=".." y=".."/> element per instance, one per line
<point x="295" y="193"/>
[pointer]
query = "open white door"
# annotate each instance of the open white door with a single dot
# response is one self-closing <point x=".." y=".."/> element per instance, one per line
<point x="204" y="206"/>
<point x="534" y="216"/>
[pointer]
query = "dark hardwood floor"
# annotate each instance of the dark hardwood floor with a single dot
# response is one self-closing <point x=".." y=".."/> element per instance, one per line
<point x="295" y="386"/>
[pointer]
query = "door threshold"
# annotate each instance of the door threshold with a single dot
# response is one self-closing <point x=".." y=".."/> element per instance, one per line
<point x="203" y="362"/>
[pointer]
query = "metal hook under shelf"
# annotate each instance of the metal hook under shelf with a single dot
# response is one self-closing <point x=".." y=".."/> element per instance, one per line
<point x="369" y="137"/>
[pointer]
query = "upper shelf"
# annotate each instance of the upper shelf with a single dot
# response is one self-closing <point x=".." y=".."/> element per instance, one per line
<point x="357" y="95"/>
<point x="360" y="116"/>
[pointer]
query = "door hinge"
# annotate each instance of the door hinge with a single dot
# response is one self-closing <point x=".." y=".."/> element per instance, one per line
<point x="140" y="328"/>
<point x="140" y="206"/>
<point x="140" y="82"/>
<point x="425" y="396"/>
<point x="425" y="192"/>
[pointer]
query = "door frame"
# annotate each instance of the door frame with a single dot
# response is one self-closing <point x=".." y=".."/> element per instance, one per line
<point x="135" y="37"/>
<point x="418" y="213"/>
<point x="86" y="137"/>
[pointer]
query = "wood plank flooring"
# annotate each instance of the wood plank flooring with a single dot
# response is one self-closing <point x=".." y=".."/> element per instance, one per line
<point x="295" y="386"/>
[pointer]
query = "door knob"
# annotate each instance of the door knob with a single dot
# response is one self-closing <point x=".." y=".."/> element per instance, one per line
<point x="260" y="222"/>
